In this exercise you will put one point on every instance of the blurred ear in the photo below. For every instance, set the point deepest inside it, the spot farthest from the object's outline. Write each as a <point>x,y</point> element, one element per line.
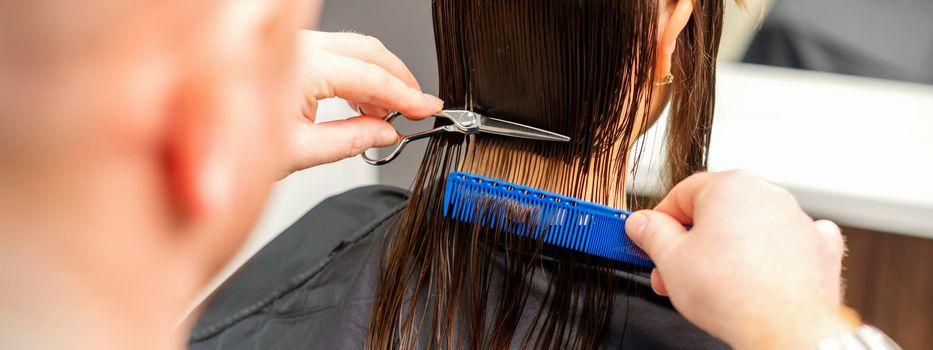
<point>198,168</point>
<point>673,18</point>
<point>207,108</point>
<point>290,15</point>
<point>313,19</point>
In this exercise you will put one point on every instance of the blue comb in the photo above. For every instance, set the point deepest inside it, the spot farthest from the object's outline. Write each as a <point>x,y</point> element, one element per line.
<point>565,222</point>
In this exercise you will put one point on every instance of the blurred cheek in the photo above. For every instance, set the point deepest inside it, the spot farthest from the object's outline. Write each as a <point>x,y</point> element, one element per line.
<point>245,69</point>
<point>257,110</point>
<point>271,86</point>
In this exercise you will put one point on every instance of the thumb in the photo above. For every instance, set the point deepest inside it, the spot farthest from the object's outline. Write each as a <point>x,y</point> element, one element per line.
<point>655,232</point>
<point>335,140</point>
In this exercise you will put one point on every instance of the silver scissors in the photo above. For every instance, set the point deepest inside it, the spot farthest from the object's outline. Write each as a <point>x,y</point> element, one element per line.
<point>468,123</point>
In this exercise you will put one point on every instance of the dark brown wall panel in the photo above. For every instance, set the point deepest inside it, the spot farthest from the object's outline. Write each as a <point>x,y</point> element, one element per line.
<point>889,280</point>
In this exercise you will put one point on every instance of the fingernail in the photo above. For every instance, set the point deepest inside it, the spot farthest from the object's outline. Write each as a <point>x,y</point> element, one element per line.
<point>434,101</point>
<point>388,137</point>
<point>635,224</point>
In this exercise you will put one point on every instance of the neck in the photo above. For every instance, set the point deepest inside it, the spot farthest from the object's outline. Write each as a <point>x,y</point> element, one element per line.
<point>68,300</point>
<point>80,269</point>
<point>51,303</point>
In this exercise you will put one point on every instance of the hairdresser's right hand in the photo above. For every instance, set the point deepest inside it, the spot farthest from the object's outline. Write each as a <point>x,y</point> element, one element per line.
<point>361,70</point>
<point>754,269</point>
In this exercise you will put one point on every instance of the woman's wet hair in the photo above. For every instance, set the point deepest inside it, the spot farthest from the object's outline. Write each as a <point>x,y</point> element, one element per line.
<point>582,68</point>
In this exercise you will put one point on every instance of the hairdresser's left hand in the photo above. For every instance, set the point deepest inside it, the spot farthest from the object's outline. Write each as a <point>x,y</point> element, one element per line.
<point>358,69</point>
<point>754,270</point>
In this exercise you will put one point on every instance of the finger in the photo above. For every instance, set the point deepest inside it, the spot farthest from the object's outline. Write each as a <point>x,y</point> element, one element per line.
<point>364,48</point>
<point>828,227</point>
<point>833,235</point>
<point>657,284</point>
<point>332,141</point>
<point>368,110</point>
<point>368,84</point>
<point>679,202</point>
<point>655,232</point>
<point>373,111</point>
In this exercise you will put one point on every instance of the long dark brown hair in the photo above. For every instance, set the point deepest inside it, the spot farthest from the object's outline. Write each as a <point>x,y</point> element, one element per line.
<point>583,68</point>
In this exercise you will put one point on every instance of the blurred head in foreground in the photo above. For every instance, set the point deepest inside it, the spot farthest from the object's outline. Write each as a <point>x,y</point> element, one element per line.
<point>138,141</point>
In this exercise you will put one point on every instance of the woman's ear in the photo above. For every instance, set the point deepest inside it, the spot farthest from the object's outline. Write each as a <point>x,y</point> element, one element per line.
<point>673,18</point>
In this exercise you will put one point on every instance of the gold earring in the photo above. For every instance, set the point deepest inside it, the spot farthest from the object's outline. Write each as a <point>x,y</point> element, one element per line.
<point>667,80</point>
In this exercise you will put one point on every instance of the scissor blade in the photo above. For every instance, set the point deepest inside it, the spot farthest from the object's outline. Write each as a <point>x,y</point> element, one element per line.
<point>507,128</point>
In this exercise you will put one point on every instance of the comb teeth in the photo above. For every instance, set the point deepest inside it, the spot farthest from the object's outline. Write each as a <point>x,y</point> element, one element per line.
<point>565,222</point>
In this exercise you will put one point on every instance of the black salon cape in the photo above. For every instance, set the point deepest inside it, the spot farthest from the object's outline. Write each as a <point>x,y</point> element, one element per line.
<point>312,288</point>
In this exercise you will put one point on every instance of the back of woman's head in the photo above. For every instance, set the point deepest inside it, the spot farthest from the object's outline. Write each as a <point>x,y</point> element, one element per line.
<point>582,68</point>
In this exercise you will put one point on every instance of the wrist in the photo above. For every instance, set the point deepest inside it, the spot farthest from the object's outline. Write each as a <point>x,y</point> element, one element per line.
<point>803,330</point>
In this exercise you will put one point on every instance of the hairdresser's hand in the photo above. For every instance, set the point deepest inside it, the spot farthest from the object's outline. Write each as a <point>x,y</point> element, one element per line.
<point>362,71</point>
<point>754,270</point>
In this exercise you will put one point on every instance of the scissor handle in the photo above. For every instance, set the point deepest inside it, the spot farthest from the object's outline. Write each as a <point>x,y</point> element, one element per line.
<point>405,139</point>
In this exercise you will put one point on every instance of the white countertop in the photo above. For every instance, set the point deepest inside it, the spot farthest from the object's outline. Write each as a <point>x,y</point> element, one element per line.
<point>855,150</point>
